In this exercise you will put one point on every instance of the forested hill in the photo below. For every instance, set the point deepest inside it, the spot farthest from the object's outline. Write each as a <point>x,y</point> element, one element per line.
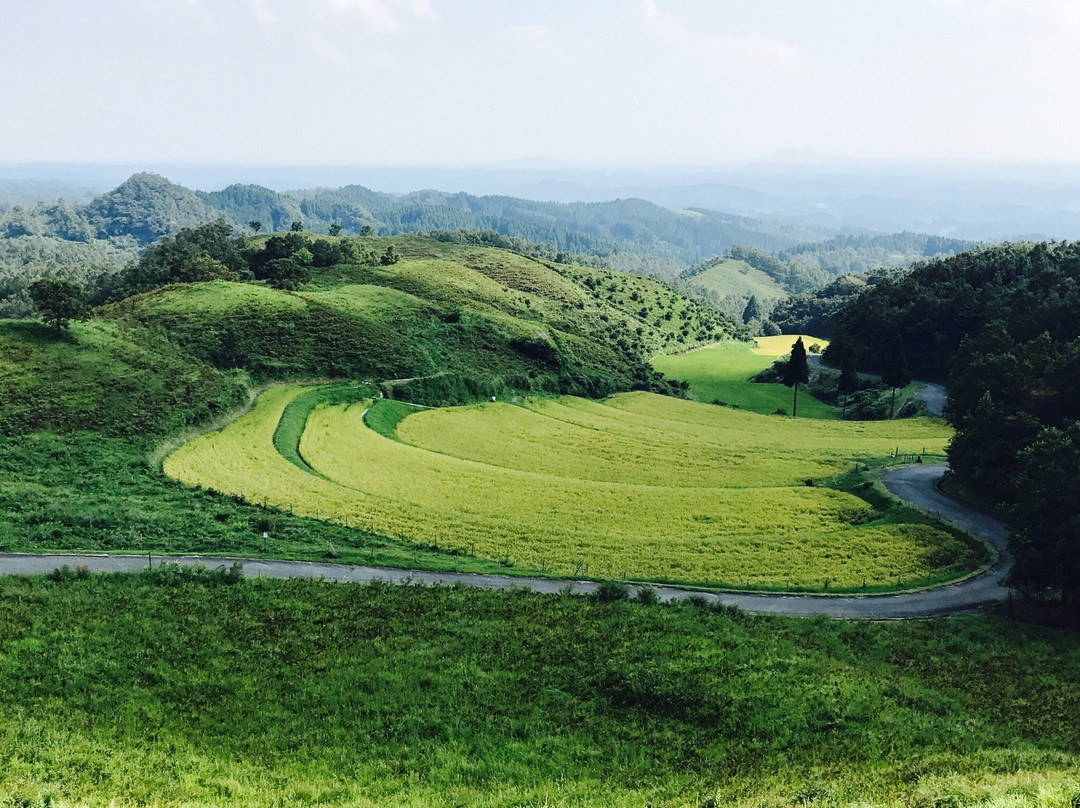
<point>1021,289</point>
<point>1002,325</point>
<point>598,228</point>
<point>848,254</point>
<point>148,206</point>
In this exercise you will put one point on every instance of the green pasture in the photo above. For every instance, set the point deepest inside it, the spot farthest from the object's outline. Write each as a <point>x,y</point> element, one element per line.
<point>177,689</point>
<point>723,372</point>
<point>640,486</point>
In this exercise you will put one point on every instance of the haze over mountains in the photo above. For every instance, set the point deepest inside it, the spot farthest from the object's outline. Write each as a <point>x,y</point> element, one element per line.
<point>976,202</point>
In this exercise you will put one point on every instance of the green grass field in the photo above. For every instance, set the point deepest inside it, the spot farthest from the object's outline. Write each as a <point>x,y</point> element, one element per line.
<point>641,486</point>
<point>174,690</point>
<point>722,373</point>
<point>732,278</point>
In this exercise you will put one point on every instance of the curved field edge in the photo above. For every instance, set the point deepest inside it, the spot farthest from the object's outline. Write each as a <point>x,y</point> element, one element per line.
<point>262,475</point>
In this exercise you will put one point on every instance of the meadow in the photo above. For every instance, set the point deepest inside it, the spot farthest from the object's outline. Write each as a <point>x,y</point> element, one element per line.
<point>721,373</point>
<point>639,486</point>
<point>175,689</point>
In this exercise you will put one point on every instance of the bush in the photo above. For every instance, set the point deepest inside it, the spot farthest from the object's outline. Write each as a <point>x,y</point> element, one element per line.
<point>65,574</point>
<point>172,574</point>
<point>647,596</point>
<point>611,591</point>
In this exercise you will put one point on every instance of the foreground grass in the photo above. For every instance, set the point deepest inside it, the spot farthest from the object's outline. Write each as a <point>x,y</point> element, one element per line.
<point>159,689</point>
<point>722,373</point>
<point>641,486</point>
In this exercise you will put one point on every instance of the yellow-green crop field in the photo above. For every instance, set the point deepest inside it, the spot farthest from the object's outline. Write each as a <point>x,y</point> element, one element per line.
<point>640,485</point>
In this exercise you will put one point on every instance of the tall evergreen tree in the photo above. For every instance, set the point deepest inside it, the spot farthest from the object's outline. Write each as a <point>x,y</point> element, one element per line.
<point>896,373</point>
<point>848,382</point>
<point>752,310</point>
<point>796,372</point>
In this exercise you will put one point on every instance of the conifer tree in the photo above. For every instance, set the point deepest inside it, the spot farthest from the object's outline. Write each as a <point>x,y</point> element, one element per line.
<point>797,372</point>
<point>896,373</point>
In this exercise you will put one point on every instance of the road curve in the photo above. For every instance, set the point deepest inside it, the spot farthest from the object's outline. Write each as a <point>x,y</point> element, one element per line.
<point>916,484</point>
<point>934,396</point>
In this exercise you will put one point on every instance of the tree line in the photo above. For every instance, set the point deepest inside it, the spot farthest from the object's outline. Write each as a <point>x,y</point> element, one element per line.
<point>1001,326</point>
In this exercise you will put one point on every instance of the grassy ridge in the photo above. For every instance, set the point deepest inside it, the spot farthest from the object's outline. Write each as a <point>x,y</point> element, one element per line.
<point>480,320</point>
<point>131,690</point>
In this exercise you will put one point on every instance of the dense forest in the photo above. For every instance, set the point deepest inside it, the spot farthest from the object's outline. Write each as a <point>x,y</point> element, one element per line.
<point>848,254</point>
<point>1001,325</point>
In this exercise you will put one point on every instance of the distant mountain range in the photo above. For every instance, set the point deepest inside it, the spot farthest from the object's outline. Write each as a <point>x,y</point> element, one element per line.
<point>972,202</point>
<point>83,241</point>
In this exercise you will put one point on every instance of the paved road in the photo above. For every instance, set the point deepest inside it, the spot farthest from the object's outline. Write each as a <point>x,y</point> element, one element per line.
<point>914,483</point>
<point>932,395</point>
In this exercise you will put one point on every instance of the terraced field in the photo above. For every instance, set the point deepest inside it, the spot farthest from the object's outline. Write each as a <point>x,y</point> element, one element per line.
<point>640,485</point>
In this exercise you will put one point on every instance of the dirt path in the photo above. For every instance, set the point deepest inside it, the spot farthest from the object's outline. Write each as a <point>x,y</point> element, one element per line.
<point>915,484</point>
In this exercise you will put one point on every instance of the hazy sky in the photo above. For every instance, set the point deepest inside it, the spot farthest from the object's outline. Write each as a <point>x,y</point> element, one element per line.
<point>452,82</point>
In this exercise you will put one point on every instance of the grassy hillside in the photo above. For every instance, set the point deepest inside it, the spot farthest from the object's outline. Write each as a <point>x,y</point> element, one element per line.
<point>174,689</point>
<point>734,282</point>
<point>169,690</point>
<point>720,374</point>
<point>106,378</point>
<point>80,415</point>
<point>489,319</point>
<point>686,492</point>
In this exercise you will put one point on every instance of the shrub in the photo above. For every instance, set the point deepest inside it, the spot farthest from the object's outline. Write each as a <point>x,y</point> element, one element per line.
<point>172,574</point>
<point>647,596</point>
<point>65,574</point>
<point>611,591</point>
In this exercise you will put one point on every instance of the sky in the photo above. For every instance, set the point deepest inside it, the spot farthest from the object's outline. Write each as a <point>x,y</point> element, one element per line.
<point>629,83</point>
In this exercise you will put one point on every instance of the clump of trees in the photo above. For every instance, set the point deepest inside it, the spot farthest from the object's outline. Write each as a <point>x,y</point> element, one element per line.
<point>1002,326</point>
<point>212,252</point>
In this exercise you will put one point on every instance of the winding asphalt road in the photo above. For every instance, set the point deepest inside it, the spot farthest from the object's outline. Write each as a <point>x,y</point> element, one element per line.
<point>916,484</point>
<point>932,395</point>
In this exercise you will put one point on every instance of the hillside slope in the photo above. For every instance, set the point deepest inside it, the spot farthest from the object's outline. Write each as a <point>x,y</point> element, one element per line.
<point>463,321</point>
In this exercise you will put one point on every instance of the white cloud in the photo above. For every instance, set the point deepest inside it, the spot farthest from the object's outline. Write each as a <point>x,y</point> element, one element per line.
<point>382,16</point>
<point>722,51</point>
<point>373,14</point>
<point>419,8</point>
<point>327,49</point>
<point>1043,13</point>
<point>534,38</point>
<point>262,12</point>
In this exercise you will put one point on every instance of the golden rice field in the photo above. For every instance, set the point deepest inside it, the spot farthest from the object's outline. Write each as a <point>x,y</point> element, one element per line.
<point>639,485</point>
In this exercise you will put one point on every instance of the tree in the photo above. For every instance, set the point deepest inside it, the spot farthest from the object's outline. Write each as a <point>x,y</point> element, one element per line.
<point>366,231</point>
<point>59,302</point>
<point>896,373</point>
<point>255,226</point>
<point>334,229</point>
<point>285,273</point>
<point>296,226</point>
<point>796,372</point>
<point>390,256</point>
<point>848,382</point>
<point>1045,540</point>
<point>752,310</point>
